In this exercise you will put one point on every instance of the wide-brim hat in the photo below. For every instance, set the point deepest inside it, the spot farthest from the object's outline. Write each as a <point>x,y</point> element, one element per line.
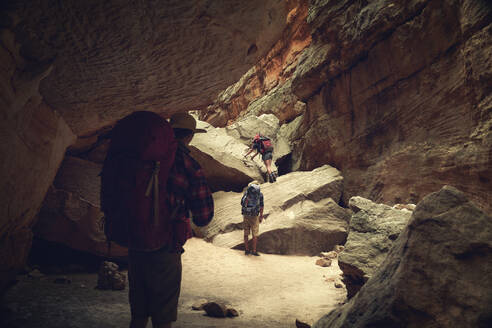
<point>185,121</point>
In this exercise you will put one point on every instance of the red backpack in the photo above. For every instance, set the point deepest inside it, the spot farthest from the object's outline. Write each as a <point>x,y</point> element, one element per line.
<point>134,196</point>
<point>266,144</point>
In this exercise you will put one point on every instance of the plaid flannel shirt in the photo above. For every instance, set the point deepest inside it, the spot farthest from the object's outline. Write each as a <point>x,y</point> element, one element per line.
<point>189,187</point>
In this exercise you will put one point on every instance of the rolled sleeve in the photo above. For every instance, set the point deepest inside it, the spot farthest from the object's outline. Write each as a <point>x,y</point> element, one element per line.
<point>201,202</point>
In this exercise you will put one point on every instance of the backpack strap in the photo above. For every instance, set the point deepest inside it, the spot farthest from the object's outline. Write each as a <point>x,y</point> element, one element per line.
<point>154,182</point>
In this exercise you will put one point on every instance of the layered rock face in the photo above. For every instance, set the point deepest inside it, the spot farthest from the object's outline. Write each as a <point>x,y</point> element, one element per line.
<point>394,94</point>
<point>266,87</point>
<point>438,273</point>
<point>71,68</point>
<point>111,58</point>
<point>398,97</point>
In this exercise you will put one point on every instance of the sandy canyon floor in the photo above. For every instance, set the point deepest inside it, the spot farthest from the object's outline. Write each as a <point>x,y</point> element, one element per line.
<point>267,291</point>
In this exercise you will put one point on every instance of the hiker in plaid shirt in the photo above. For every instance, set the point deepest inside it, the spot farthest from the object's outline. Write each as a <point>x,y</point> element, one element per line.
<point>155,279</point>
<point>190,192</point>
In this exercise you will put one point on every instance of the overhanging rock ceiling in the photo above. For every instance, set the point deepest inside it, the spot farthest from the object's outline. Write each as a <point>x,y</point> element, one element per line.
<point>109,58</point>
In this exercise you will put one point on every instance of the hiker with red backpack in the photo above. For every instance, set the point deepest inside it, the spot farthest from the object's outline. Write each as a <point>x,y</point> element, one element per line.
<point>252,211</point>
<point>264,146</point>
<point>149,184</point>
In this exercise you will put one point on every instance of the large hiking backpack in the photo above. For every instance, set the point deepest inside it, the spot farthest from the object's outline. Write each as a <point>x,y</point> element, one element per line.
<point>266,144</point>
<point>250,202</point>
<point>134,196</point>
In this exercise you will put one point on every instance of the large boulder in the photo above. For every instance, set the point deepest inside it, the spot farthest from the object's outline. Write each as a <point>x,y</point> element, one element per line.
<point>305,228</point>
<point>438,273</point>
<point>71,213</point>
<point>266,124</point>
<point>34,140</point>
<point>285,137</point>
<point>222,159</point>
<point>284,202</point>
<point>372,232</point>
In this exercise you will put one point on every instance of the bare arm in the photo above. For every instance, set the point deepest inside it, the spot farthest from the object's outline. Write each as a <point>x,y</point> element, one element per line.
<point>249,152</point>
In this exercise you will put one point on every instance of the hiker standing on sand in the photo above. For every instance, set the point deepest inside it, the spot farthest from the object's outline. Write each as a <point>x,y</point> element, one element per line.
<point>263,145</point>
<point>252,210</point>
<point>150,183</point>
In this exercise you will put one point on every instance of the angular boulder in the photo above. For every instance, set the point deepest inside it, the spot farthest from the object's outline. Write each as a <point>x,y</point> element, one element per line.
<point>221,157</point>
<point>71,212</point>
<point>438,273</point>
<point>280,101</point>
<point>301,215</point>
<point>373,229</point>
<point>305,228</point>
<point>266,124</point>
<point>109,277</point>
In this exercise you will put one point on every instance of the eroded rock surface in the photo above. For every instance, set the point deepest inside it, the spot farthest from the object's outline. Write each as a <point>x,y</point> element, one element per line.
<point>437,274</point>
<point>266,87</point>
<point>112,58</point>
<point>394,94</point>
<point>71,68</point>
<point>372,232</point>
<point>305,228</point>
<point>301,215</point>
<point>398,97</point>
<point>222,159</point>
<point>267,125</point>
<point>71,213</point>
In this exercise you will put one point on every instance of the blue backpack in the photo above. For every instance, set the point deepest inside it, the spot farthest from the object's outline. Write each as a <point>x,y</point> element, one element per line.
<point>250,202</point>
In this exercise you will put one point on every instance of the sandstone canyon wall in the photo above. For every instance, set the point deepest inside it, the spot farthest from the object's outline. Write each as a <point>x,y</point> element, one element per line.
<point>398,97</point>
<point>71,68</point>
<point>266,87</point>
<point>395,94</point>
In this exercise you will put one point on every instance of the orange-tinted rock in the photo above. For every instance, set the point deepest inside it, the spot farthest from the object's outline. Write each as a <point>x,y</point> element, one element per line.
<point>398,98</point>
<point>270,74</point>
<point>71,212</point>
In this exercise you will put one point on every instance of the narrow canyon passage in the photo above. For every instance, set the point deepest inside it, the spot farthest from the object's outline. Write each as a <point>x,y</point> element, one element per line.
<point>267,291</point>
<point>380,118</point>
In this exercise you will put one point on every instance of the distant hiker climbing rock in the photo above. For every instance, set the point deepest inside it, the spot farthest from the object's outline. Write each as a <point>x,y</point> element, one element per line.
<point>252,210</point>
<point>149,184</point>
<point>264,146</point>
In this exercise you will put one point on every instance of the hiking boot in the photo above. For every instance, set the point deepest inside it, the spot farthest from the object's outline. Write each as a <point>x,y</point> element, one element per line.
<point>246,252</point>
<point>255,253</point>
